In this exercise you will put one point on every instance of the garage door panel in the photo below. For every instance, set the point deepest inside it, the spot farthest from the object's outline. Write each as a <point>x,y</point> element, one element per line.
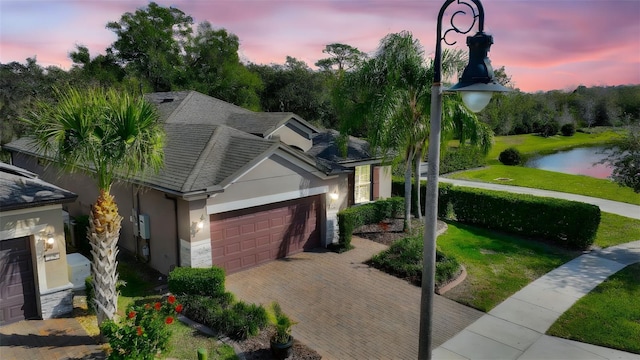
<point>247,229</point>
<point>265,233</point>
<point>263,241</point>
<point>248,244</point>
<point>231,232</point>
<point>233,248</point>
<point>17,285</point>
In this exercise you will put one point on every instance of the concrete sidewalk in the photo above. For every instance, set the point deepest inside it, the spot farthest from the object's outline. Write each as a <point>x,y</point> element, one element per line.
<point>614,207</point>
<point>515,328</point>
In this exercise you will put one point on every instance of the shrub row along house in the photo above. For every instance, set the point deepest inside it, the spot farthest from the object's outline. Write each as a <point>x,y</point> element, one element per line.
<point>239,188</point>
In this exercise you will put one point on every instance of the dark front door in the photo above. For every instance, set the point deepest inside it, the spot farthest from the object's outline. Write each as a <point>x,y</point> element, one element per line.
<point>17,285</point>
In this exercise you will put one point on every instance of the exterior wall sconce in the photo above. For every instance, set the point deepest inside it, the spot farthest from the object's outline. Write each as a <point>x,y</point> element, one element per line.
<point>196,226</point>
<point>334,195</point>
<point>48,240</point>
<point>201,222</point>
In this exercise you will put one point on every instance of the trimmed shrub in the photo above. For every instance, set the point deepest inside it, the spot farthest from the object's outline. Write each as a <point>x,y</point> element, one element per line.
<point>549,129</point>
<point>570,224</point>
<point>568,129</point>
<point>510,156</point>
<point>197,281</point>
<point>237,320</point>
<point>462,158</point>
<point>404,259</point>
<point>371,213</point>
<point>89,293</point>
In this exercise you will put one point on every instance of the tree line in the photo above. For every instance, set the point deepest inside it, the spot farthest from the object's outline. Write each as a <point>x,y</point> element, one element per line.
<point>161,49</point>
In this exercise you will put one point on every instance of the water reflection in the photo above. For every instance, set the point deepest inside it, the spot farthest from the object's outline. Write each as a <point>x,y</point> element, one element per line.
<point>578,161</point>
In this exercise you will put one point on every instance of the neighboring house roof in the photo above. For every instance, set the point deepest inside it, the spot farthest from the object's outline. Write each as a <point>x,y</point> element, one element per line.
<point>21,189</point>
<point>211,142</point>
<point>326,148</point>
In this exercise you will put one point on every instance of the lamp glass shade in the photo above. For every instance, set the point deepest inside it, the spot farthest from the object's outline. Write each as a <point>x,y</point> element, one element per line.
<point>476,100</point>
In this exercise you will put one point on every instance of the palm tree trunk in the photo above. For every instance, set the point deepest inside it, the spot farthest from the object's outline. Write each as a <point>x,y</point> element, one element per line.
<point>407,191</point>
<point>104,231</point>
<point>418,158</point>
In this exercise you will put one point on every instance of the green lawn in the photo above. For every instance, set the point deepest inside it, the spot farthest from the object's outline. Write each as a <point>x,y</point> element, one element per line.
<point>607,316</point>
<point>536,144</point>
<point>615,229</point>
<point>551,180</point>
<point>498,265</point>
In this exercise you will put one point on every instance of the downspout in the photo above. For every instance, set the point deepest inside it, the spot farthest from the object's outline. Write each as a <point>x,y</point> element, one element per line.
<point>175,211</point>
<point>146,241</point>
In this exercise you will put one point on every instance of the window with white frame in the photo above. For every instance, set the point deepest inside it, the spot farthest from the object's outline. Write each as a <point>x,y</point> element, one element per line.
<point>362,184</point>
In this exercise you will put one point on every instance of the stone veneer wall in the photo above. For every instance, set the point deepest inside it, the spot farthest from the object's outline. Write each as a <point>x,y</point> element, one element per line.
<point>57,302</point>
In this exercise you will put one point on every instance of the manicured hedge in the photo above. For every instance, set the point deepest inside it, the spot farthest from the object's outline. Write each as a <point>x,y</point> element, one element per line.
<point>570,224</point>
<point>238,320</point>
<point>567,223</point>
<point>196,281</point>
<point>371,213</point>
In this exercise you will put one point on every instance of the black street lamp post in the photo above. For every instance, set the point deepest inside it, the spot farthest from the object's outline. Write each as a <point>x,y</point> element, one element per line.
<point>476,86</point>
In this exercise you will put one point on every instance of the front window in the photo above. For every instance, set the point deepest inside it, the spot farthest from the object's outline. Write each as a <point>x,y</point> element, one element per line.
<point>362,186</point>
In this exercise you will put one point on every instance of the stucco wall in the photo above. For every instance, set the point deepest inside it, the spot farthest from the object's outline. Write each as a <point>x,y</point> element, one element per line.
<point>130,199</point>
<point>49,265</point>
<point>384,181</point>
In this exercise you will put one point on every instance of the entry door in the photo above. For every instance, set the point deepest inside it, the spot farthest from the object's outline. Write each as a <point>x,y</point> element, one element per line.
<point>17,285</point>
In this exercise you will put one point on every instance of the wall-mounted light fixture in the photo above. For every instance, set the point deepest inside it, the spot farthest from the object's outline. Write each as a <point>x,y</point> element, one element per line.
<point>334,195</point>
<point>201,222</point>
<point>48,240</point>
<point>196,226</point>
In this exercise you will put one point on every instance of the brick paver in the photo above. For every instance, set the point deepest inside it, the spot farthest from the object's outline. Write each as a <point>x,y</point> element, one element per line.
<point>47,339</point>
<point>346,309</point>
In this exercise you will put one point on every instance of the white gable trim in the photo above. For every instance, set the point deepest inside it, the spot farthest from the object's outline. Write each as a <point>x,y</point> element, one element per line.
<point>284,155</point>
<point>264,200</point>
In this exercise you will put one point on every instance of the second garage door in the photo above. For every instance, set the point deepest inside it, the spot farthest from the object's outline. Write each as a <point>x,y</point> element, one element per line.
<point>17,286</point>
<point>245,238</point>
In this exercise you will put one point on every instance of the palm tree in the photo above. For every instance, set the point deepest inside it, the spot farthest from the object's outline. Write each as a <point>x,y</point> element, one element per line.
<point>110,135</point>
<point>388,100</point>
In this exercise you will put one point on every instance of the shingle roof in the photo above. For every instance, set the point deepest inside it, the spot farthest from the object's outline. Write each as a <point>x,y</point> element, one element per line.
<point>262,124</point>
<point>21,189</point>
<point>325,146</point>
<point>209,140</point>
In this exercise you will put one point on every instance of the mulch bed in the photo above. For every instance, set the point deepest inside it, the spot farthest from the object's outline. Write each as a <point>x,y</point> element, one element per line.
<point>258,348</point>
<point>388,231</point>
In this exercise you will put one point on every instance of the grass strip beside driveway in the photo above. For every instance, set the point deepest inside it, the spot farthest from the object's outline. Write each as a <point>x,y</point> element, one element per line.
<point>607,316</point>
<point>498,265</point>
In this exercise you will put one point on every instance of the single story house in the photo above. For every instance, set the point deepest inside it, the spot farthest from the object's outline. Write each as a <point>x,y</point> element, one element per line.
<point>238,188</point>
<point>34,282</point>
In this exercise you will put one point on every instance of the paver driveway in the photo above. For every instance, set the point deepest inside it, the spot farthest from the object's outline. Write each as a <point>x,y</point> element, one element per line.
<point>346,309</point>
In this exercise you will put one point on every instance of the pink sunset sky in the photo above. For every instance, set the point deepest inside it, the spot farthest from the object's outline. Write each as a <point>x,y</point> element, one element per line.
<point>543,44</point>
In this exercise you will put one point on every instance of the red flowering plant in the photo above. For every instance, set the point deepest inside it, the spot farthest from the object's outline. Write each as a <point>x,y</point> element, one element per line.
<point>144,332</point>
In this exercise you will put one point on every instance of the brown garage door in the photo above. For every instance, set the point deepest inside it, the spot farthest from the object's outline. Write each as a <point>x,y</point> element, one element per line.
<point>17,286</point>
<point>245,238</point>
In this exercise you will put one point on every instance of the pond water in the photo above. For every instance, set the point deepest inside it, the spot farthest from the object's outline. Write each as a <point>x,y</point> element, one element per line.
<point>578,161</point>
